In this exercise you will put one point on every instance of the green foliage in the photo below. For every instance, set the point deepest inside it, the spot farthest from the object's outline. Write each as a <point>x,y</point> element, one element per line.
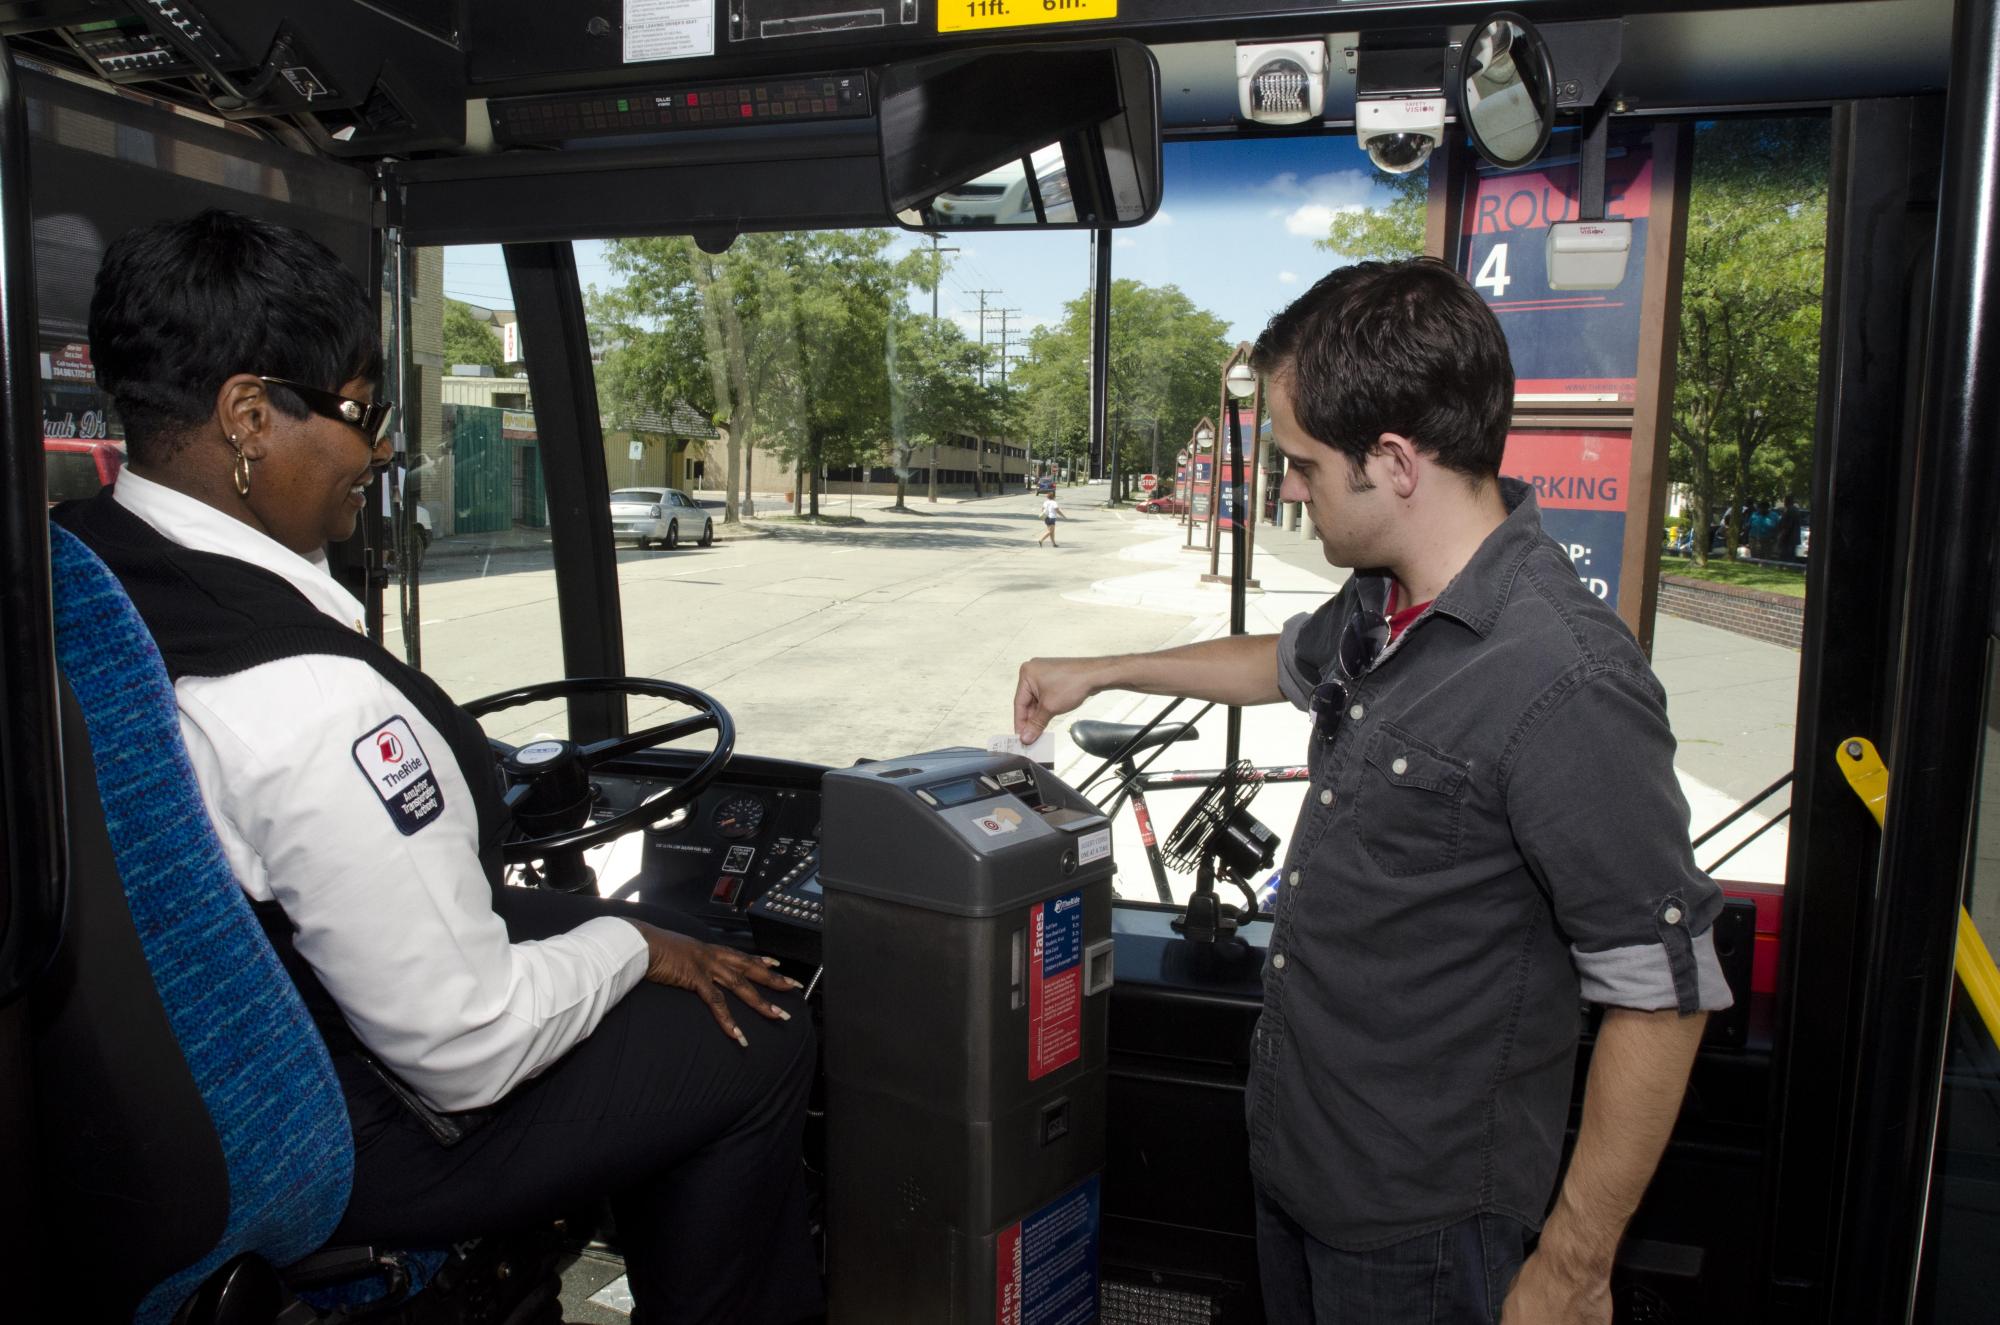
<point>1165,365</point>
<point>934,390</point>
<point>1771,579</point>
<point>782,340</point>
<point>467,339</point>
<point>1386,233</point>
<point>1747,370</point>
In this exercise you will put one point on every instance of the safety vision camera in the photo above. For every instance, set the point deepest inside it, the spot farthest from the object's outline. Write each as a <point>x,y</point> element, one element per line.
<point>1399,100</point>
<point>1399,132</point>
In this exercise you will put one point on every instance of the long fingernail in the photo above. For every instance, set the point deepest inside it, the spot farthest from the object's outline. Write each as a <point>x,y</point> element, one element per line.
<point>781,1014</point>
<point>793,983</point>
<point>741,1038</point>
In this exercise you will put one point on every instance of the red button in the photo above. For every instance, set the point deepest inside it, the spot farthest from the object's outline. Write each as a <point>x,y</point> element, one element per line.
<point>726,889</point>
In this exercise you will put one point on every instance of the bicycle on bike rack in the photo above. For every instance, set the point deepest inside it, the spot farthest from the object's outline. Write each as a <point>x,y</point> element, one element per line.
<point>1248,843</point>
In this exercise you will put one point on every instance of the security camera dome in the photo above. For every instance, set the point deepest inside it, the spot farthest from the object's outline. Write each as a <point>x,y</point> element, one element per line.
<point>1400,153</point>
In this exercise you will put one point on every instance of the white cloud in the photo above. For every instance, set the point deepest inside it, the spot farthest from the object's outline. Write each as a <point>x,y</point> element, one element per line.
<point>1124,241</point>
<point>1162,218</point>
<point>1309,205</point>
<point>1288,278</point>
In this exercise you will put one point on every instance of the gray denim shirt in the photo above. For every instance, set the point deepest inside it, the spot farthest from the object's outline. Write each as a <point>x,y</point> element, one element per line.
<point>1494,834</point>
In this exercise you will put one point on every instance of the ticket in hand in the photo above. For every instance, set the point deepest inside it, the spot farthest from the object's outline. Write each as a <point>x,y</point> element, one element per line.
<point>1043,751</point>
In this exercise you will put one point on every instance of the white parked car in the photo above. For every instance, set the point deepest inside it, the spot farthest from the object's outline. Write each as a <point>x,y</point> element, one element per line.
<point>659,515</point>
<point>1000,197</point>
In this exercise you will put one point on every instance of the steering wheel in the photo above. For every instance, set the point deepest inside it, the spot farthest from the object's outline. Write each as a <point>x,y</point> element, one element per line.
<point>548,781</point>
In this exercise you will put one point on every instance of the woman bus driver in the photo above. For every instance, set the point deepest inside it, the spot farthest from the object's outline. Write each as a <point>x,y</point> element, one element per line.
<point>359,809</point>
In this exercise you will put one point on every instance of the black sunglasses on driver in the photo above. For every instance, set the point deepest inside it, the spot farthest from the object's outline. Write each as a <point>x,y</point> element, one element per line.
<point>371,417</point>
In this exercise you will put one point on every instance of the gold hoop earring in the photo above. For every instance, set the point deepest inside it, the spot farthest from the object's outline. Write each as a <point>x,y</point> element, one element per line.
<point>242,468</point>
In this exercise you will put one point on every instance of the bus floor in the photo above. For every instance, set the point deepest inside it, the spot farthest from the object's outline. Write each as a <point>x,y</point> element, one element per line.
<point>594,1291</point>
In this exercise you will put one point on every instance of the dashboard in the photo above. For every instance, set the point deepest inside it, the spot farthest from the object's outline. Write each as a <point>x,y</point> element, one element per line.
<point>755,829</point>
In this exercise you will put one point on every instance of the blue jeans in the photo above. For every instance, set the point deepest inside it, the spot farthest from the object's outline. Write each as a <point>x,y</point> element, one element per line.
<point>1458,1275</point>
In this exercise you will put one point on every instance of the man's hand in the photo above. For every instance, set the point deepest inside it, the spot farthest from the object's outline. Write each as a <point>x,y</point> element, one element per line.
<point>706,969</point>
<point>1638,1070</point>
<point>1544,1294</point>
<point>1049,686</point>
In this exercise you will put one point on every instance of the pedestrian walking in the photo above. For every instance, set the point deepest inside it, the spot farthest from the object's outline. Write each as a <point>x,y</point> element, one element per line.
<point>1051,512</point>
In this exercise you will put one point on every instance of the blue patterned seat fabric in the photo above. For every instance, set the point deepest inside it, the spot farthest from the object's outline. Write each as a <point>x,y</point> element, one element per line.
<point>255,1056</point>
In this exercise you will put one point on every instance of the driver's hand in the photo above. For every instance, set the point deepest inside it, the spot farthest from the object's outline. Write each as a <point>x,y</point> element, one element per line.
<point>706,969</point>
<point>1049,686</point>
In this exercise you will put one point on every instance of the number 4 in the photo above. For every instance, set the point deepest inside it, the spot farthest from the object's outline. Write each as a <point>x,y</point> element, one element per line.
<point>1493,273</point>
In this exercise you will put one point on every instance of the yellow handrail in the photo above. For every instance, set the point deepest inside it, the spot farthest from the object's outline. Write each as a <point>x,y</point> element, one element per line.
<point>1865,773</point>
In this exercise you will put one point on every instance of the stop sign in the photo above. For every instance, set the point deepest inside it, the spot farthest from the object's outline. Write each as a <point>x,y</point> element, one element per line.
<point>1147,482</point>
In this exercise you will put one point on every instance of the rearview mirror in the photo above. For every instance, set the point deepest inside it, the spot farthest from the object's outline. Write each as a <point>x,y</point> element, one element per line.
<point>1507,98</point>
<point>1047,136</point>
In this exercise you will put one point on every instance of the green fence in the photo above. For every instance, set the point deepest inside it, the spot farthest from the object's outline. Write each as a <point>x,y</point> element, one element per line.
<point>496,480</point>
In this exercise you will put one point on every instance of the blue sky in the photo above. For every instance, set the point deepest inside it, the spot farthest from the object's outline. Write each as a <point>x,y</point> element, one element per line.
<point>1235,231</point>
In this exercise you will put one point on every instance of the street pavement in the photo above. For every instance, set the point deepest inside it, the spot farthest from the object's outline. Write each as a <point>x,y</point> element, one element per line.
<point>903,631</point>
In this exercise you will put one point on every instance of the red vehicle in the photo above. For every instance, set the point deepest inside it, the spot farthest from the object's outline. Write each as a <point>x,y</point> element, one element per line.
<point>79,468</point>
<point>1164,506</point>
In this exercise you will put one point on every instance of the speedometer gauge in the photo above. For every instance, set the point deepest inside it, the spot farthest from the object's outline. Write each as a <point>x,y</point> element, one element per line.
<point>739,816</point>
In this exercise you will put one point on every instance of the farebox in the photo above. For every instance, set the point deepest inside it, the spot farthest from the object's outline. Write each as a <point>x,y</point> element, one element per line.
<point>968,954</point>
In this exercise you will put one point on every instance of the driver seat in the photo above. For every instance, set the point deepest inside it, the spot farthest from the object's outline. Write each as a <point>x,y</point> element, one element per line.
<point>194,1132</point>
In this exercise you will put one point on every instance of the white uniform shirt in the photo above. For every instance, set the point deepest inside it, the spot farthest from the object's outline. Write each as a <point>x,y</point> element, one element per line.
<point>398,926</point>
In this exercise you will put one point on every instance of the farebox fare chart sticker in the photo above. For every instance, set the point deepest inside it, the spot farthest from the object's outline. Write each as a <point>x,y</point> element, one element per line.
<point>394,764</point>
<point>1055,985</point>
<point>1045,1270</point>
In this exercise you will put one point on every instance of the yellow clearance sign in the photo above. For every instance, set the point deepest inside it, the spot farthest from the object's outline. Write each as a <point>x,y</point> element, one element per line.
<point>978,15</point>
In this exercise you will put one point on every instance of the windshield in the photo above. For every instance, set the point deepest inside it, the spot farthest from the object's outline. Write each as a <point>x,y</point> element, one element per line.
<point>865,421</point>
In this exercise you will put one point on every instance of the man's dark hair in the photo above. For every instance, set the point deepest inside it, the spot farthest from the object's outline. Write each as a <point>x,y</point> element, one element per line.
<point>181,306</point>
<point>1402,347</point>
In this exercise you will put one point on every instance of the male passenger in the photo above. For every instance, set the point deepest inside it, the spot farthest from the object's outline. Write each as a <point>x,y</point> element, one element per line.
<point>1493,830</point>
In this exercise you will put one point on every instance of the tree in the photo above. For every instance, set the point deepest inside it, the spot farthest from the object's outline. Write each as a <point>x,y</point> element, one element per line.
<point>1165,357</point>
<point>1744,392</point>
<point>934,392</point>
<point>1383,234</point>
<point>467,339</point>
<point>780,340</point>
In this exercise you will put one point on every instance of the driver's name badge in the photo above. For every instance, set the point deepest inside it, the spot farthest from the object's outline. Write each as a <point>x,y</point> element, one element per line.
<point>393,761</point>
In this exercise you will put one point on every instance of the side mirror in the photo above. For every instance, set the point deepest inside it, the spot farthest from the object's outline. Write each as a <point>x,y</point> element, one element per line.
<point>1507,96</point>
<point>1045,136</point>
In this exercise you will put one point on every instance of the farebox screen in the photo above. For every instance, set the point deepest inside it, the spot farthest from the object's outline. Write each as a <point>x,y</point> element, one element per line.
<point>958,793</point>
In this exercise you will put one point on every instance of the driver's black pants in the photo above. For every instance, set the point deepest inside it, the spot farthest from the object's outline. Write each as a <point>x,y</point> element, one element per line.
<point>695,1139</point>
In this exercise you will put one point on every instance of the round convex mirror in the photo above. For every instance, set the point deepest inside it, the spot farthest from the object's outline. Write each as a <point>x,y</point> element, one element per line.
<point>1508,95</point>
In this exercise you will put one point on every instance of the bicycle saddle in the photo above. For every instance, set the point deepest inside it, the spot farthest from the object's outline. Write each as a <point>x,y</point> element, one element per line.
<point>1105,739</point>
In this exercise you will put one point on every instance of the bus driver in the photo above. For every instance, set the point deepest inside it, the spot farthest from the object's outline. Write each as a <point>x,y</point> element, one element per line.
<point>241,356</point>
<point>1493,830</point>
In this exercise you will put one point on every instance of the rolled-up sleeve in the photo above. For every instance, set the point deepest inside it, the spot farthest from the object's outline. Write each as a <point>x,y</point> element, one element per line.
<point>1599,817</point>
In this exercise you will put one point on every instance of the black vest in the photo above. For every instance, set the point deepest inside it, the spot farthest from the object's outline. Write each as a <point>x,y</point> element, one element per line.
<point>213,615</point>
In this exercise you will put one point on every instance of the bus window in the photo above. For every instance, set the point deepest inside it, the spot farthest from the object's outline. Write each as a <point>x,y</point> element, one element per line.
<point>473,600</point>
<point>1732,593</point>
<point>1958,1278</point>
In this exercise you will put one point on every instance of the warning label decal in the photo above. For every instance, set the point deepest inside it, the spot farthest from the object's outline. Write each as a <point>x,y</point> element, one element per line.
<point>1047,1264</point>
<point>1055,985</point>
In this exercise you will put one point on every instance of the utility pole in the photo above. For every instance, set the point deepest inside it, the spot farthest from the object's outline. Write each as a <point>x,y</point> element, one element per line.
<point>937,279</point>
<point>979,443</point>
<point>1004,314</point>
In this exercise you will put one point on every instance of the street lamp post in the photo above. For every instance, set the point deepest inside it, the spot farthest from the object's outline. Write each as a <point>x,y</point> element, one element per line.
<point>1239,382</point>
<point>1199,445</point>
